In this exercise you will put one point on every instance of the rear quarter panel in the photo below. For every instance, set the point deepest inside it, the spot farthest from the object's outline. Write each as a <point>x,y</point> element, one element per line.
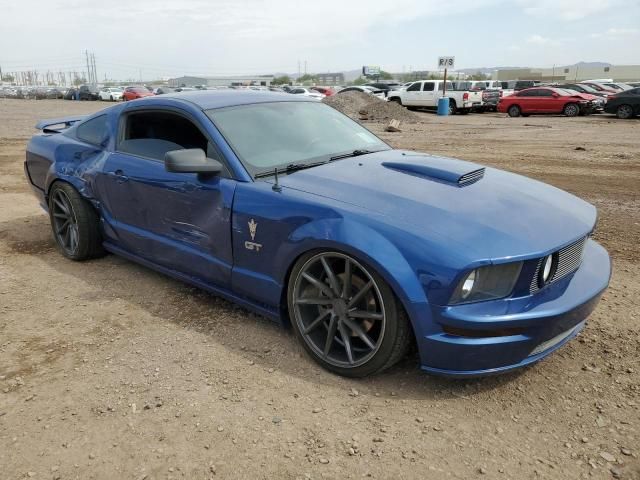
<point>60,156</point>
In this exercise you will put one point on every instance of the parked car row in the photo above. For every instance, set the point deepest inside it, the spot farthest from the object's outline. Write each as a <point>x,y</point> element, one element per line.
<point>38,93</point>
<point>573,99</point>
<point>516,98</point>
<point>521,97</point>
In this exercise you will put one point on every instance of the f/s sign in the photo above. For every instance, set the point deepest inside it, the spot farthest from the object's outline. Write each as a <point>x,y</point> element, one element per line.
<point>446,62</point>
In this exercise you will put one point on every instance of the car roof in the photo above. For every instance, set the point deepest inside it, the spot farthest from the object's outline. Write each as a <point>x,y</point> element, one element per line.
<point>209,99</point>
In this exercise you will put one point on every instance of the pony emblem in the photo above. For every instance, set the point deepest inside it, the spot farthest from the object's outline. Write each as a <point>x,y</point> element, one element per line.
<point>253,226</point>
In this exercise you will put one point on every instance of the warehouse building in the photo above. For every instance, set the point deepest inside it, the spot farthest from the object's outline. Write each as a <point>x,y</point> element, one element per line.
<point>574,73</point>
<point>330,78</point>
<point>230,81</point>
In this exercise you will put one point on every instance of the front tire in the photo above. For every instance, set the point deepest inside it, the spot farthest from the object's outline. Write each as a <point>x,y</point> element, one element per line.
<point>74,223</point>
<point>345,315</point>
<point>571,110</point>
<point>624,112</point>
<point>514,111</point>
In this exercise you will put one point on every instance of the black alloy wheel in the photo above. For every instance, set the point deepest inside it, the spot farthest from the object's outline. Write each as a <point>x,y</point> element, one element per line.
<point>346,315</point>
<point>624,112</point>
<point>75,223</point>
<point>65,222</point>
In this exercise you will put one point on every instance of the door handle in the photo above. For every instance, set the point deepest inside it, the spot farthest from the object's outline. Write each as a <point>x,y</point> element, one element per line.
<point>120,176</point>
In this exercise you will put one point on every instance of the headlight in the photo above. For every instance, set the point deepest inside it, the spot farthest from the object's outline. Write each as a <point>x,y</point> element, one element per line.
<point>487,283</point>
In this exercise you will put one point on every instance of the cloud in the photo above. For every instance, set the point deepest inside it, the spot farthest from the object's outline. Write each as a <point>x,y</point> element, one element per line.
<point>616,33</point>
<point>539,40</point>
<point>569,10</point>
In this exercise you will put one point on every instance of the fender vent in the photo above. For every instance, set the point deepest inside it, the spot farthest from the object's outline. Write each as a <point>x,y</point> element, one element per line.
<point>471,177</point>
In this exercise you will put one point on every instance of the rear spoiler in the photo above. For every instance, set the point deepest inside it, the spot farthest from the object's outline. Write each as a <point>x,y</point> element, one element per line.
<point>56,125</point>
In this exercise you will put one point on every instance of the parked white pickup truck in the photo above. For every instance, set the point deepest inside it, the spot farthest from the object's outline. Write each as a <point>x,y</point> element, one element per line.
<point>425,94</point>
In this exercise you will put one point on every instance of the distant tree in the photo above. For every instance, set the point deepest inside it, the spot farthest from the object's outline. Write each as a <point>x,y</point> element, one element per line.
<point>479,76</point>
<point>283,80</point>
<point>385,75</point>
<point>360,81</point>
<point>8,78</point>
<point>307,77</point>
<point>79,81</point>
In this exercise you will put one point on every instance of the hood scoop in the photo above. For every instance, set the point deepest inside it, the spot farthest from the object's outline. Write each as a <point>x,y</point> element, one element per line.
<point>447,170</point>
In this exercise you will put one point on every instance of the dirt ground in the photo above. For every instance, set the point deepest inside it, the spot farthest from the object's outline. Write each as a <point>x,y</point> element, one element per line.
<point>109,370</point>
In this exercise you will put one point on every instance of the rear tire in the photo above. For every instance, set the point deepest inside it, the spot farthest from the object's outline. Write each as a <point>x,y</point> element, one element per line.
<point>514,111</point>
<point>397,100</point>
<point>571,110</point>
<point>75,223</point>
<point>624,112</point>
<point>345,315</point>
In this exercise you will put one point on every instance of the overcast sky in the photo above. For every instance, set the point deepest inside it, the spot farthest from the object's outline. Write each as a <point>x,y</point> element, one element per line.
<point>167,38</point>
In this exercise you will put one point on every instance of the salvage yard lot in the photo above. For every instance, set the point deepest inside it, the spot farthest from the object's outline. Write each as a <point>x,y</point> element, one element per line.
<point>110,370</point>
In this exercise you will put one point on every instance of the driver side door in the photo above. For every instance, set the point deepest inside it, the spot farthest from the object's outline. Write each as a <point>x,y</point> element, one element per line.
<point>178,221</point>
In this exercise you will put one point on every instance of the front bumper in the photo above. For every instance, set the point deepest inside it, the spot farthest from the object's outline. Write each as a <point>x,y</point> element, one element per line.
<point>510,333</point>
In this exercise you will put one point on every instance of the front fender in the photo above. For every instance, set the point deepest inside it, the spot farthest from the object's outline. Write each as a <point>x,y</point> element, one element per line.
<point>360,241</point>
<point>266,280</point>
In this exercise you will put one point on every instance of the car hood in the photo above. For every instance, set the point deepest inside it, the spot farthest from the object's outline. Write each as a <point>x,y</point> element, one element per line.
<point>496,214</point>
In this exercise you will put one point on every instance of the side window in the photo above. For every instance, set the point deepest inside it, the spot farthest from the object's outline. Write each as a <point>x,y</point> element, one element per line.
<point>427,87</point>
<point>93,131</point>
<point>543,92</point>
<point>525,93</point>
<point>152,134</point>
<point>415,87</point>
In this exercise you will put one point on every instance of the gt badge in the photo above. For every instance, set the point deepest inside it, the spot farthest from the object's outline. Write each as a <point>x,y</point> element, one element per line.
<point>253,227</point>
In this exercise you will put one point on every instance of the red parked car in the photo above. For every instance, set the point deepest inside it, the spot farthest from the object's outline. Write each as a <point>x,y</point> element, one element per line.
<point>131,93</point>
<point>323,90</point>
<point>545,100</point>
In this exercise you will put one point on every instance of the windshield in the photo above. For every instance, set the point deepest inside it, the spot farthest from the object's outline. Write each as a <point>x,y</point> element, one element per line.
<point>270,135</point>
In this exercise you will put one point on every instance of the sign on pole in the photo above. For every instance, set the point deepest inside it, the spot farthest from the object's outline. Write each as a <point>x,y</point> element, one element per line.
<point>446,62</point>
<point>370,71</point>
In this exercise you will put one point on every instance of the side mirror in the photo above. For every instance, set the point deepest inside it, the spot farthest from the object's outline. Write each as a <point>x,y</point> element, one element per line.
<point>555,95</point>
<point>191,160</point>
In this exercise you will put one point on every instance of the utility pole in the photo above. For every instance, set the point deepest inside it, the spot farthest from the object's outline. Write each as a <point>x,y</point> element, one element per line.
<point>94,77</point>
<point>305,67</point>
<point>88,79</point>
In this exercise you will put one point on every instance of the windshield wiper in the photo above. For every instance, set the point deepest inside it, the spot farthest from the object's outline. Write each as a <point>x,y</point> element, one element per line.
<point>355,153</point>
<point>292,167</point>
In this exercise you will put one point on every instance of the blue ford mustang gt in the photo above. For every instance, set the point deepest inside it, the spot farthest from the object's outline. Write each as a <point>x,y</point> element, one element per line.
<point>287,207</point>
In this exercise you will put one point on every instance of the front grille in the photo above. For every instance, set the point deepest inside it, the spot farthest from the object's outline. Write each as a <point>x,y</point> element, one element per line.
<point>471,177</point>
<point>554,341</point>
<point>569,259</point>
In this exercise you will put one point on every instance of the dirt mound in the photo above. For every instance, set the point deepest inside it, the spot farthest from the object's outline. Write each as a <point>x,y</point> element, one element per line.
<point>362,106</point>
